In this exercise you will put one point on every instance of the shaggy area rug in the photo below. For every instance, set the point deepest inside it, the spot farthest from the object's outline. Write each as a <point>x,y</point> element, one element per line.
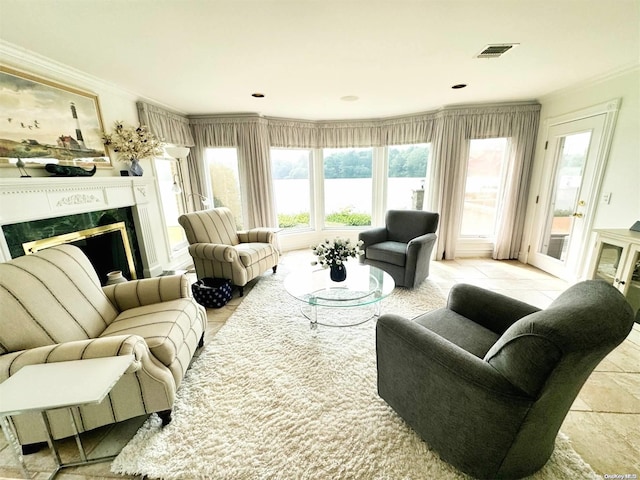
<point>268,400</point>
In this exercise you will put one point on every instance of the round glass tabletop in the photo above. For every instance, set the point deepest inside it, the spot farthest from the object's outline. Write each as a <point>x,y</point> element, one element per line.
<point>364,285</point>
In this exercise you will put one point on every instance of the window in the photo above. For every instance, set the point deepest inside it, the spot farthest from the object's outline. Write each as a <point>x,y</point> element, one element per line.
<point>407,176</point>
<point>291,183</point>
<point>347,186</point>
<point>484,180</point>
<point>172,203</point>
<point>224,180</point>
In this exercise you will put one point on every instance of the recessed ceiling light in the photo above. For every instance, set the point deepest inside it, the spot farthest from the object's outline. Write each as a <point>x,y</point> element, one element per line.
<point>459,85</point>
<point>257,95</point>
<point>349,98</point>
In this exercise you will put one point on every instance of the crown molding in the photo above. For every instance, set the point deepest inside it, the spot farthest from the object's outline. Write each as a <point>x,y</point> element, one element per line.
<point>619,72</point>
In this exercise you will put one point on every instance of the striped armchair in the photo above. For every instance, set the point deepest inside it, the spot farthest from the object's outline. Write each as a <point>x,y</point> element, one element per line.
<point>220,251</point>
<point>54,310</point>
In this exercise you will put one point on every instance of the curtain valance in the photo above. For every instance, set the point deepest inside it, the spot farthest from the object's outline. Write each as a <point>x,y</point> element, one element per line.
<point>171,127</point>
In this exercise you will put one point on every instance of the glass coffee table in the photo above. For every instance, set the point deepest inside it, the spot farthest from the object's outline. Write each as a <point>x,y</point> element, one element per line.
<point>365,286</point>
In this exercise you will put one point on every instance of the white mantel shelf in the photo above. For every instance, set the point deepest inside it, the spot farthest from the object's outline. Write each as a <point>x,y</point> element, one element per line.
<point>25,199</point>
<point>35,198</point>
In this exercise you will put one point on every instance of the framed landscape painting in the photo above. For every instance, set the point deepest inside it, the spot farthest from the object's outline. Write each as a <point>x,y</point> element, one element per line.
<point>44,122</point>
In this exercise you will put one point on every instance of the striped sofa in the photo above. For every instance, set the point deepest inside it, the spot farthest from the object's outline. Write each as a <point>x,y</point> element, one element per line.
<point>220,251</point>
<point>54,310</point>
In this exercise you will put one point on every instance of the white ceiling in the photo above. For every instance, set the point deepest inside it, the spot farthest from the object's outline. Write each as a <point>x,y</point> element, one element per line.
<point>397,56</point>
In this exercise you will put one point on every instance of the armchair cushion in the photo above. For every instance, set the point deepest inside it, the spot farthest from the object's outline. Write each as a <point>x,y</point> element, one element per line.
<point>166,328</point>
<point>459,330</point>
<point>250,253</point>
<point>394,253</point>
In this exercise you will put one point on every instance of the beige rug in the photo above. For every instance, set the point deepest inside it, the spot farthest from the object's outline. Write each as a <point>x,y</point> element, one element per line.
<point>267,400</point>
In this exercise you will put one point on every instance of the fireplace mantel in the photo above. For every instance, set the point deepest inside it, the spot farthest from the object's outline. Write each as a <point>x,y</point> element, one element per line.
<point>27,199</point>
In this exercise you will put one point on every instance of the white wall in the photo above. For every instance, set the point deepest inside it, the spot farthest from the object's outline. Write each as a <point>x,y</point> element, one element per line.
<point>622,173</point>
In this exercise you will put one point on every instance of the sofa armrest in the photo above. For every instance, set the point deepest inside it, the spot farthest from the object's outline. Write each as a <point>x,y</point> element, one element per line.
<point>214,251</point>
<point>147,291</point>
<point>491,310</point>
<point>257,235</point>
<point>114,346</point>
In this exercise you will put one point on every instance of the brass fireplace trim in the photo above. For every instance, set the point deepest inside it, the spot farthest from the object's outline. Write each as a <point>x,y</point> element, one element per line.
<point>36,245</point>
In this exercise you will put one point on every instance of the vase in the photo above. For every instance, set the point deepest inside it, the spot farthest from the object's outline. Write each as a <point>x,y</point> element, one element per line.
<point>115,277</point>
<point>135,169</point>
<point>338,273</point>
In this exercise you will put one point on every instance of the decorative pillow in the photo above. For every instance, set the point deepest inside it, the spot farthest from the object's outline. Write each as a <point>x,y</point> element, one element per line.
<point>212,292</point>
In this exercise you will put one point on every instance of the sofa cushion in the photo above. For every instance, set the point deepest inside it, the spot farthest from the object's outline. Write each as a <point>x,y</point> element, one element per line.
<point>164,326</point>
<point>251,253</point>
<point>394,253</point>
<point>53,296</point>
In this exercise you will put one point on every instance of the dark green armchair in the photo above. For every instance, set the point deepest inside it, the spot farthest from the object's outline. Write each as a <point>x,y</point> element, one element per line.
<point>487,381</point>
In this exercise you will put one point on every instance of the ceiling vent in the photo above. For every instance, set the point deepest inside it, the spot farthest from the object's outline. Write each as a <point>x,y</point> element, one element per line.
<point>496,50</point>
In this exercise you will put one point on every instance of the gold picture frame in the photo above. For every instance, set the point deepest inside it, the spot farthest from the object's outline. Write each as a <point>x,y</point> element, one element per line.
<point>46,122</point>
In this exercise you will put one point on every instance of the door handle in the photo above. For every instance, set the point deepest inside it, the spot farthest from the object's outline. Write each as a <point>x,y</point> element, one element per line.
<point>577,214</point>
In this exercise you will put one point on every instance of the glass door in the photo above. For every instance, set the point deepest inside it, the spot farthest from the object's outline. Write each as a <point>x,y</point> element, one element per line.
<point>568,196</point>
<point>566,204</point>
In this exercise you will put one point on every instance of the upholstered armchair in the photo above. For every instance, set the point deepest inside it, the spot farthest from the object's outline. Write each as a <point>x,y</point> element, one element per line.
<point>487,381</point>
<point>54,310</point>
<point>220,251</point>
<point>403,247</point>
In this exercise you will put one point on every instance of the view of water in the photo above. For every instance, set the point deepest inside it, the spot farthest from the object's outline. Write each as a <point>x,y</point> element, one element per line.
<point>292,195</point>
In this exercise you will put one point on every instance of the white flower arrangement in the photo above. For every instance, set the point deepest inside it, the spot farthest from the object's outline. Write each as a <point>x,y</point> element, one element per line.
<point>133,143</point>
<point>336,252</point>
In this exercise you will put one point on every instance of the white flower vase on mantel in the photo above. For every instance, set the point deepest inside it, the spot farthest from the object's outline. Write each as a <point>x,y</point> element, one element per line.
<point>135,169</point>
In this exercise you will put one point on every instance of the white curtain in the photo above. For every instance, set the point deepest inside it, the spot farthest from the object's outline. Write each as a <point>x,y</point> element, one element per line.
<point>449,130</point>
<point>248,133</point>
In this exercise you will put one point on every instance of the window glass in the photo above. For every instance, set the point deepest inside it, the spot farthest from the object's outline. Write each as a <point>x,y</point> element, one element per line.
<point>291,183</point>
<point>348,186</point>
<point>483,183</point>
<point>406,182</point>
<point>224,180</point>
<point>172,202</point>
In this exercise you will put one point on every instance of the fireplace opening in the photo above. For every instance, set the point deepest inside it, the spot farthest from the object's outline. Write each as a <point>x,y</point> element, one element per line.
<point>107,237</point>
<point>107,246</point>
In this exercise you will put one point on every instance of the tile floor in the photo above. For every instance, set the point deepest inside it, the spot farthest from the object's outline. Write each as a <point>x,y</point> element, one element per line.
<point>603,424</point>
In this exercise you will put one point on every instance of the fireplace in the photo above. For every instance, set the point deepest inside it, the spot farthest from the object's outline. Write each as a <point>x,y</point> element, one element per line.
<point>113,219</point>
<point>107,237</point>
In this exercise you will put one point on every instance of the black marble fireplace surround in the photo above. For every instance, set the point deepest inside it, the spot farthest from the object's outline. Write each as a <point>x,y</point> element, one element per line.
<point>106,252</point>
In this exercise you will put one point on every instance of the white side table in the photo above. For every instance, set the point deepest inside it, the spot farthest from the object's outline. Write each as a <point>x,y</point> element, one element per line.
<point>67,385</point>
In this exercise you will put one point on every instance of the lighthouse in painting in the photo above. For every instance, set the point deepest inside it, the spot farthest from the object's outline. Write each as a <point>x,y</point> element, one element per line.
<point>78,131</point>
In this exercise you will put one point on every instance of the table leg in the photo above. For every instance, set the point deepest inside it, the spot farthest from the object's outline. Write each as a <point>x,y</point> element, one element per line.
<point>314,315</point>
<point>83,455</point>
<point>9,433</point>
